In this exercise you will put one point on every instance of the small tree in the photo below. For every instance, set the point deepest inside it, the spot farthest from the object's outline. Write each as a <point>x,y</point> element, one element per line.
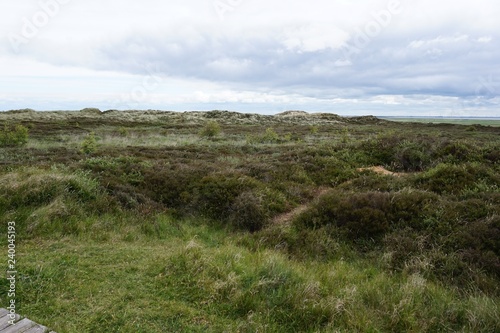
<point>89,144</point>
<point>271,136</point>
<point>210,130</point>
<point>17,136</point>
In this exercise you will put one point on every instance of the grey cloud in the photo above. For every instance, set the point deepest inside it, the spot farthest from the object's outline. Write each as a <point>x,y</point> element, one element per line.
<point>438,49</point>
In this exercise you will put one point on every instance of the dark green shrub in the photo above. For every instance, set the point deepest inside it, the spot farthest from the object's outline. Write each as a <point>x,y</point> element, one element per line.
<point>492,154</point>
<point>468,210</point>
<point>382,149</point>
<point>446,178</point>
<point>411,156</point>
<point>360,215</point>
<point>479,244</point>
<point>248,212</point>
<point>214,195</point>
<point>13,136</point>
<point>454,179</point>
<point>457,151</point>
<point>409,208</point>
<point>171,185</point>
<point>328,170</point>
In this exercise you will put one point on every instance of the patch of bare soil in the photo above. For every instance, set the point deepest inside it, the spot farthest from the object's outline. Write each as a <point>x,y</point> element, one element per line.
<point>381,170</point>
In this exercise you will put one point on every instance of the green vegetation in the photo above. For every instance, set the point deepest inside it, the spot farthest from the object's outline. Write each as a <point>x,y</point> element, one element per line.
<point>89,144</point>
<point>210,130</point>
<point>280,225</point>
<point>457,121</point>
<point>13,136</point>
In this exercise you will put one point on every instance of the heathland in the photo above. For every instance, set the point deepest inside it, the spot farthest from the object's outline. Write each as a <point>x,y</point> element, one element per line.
<point>149,221</point>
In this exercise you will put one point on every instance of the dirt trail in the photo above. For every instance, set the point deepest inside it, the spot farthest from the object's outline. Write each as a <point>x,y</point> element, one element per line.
<point>381,170</point>
<point>289,216</point>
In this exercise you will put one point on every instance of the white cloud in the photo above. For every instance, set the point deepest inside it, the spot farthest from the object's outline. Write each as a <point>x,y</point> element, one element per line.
<point>485,39</point>
<point>314,37</point>
<point>261,52</point>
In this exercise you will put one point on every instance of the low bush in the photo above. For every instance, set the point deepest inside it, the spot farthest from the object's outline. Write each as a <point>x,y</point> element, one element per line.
<point>457,152</point>
<point>89,144</point>
<point>479,244</point>
<point>214,195</point>
<point>454,179</point>
<point>360,215</point>
<point>14,136</point>
<point>248,212</point>
<point>272,137</point>
<point>412,156</point>
<point>446,178</point>
<point>410,208</point>
<point>51,198</point>
<point>210,130</point>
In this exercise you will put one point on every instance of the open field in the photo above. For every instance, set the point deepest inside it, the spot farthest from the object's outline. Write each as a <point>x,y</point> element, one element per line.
<point>457,121</point>
<point>149,221</point>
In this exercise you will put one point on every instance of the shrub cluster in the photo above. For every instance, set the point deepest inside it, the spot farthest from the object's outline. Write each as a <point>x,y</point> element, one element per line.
<point>444,237</point>
<point>210,130</point>
<point>270,136</point>
<point>50,200</point>
<point>13,136</point>
<point>421,153</point>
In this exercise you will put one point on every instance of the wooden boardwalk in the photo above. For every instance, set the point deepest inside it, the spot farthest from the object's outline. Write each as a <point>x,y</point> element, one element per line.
<point>22,325</point>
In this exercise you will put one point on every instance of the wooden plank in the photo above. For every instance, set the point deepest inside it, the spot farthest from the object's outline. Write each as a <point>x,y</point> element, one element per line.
<point>20,326</point>
<point>4,321</point>
<point>37,329</point>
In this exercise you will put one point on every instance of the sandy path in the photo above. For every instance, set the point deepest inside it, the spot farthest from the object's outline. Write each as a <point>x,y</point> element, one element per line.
<point>289,216</point>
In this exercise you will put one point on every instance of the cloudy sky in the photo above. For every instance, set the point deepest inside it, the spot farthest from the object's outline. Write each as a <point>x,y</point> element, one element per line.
<point>381,57</point>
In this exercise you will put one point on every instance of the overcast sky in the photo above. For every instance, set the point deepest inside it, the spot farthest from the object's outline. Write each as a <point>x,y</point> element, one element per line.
<point>381,57</point>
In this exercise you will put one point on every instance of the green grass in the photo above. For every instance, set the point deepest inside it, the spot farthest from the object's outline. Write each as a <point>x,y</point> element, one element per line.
<point>157,228</point>
<point>192,277</point>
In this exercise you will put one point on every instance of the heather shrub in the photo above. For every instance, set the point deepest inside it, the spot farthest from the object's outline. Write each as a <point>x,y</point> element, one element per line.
<point>270,136</point>
<point>409,208</point>
<point>170,185</point>
<point>446,178</point>
<point>411,156</point>
<point>359,215</point>
<point>215,194</point>
<point>457,152</point>
<point>454,179</point>
<point>248,212</point>
<point>479,243</point>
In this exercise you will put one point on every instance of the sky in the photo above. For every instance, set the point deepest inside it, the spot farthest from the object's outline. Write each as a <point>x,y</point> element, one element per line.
<point>376,57</point>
